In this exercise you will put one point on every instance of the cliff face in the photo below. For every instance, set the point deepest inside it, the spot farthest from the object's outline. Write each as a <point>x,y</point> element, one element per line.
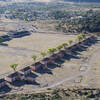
<point>83,0</point>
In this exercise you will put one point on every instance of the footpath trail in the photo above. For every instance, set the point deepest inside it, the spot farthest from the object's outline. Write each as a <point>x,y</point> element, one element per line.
<point>18,51</point>
<point>49,86</point>
<point>91,61</point>
<point>20,48</point>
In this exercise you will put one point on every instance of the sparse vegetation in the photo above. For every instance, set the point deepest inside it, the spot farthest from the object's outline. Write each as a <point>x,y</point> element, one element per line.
<point>59,94</point>
<point>43,54</point>
<point>70,42</point>
<point>59,47</point>
<point>89,23</point>
<point>69,20</point>
<point>1,39</point>
<point>34,57</point>
<point>64,45</point>
<point>51,51</point>
<point>14,66</point>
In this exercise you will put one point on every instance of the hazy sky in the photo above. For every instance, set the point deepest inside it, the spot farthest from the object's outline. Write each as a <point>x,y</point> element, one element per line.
<point>32,0</point>
<point>43,0</point>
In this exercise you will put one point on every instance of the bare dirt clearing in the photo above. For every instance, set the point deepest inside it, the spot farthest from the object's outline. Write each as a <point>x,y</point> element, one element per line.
<point>19,50</point>
<point>66,75</point>
<point>69,70</point>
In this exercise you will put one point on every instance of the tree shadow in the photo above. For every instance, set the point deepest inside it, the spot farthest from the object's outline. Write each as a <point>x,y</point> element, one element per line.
<point>74,53</point>
<point>32,83</point>
<point>68,57</point>
<point>5,89</point>
<point>18,83</point>
<point>5,38</point>
<point>19,34</point>
<point>32,75</point>
<point>3,44</point>
<point>24,82</point>
<point>80,48</point>
<point>48,71</point>
<point>41,70</point>
<point>59,61</point>
<point>52,66</point>
<point>90,42</point>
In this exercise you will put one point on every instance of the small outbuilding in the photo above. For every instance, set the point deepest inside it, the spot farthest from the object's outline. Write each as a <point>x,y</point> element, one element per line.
<point>14,77</point>
<point>25,71</point>
<point>36,66</point>
<point>61,54</point>
<point>53,57</point>
<point>46,61</point>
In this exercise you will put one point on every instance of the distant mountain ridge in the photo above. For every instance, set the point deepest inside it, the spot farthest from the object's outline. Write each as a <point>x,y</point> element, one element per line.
<point>83,0</point>
<point>4,0</point>
<point>50,0</point>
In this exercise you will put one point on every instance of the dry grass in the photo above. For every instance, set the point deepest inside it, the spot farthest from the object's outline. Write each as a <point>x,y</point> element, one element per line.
<point>32,44</point>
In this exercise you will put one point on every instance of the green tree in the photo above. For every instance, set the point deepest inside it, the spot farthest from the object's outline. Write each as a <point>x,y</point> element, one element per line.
<point>59,47</point>
<point>79,37</point>
<point>70,42</point>
<point>90,23</point>
<point>14,66</point>
<point>1,39</point>
<point>51,50</point>
<point>34,57</point>
<point>83,36</point>
<point>43,54</point>
<point>64,45</point>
